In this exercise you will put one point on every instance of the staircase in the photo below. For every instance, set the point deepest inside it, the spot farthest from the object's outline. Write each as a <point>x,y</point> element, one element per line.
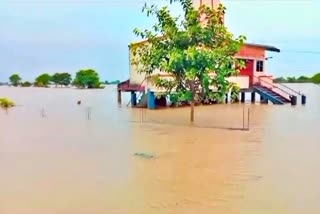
<point>276,93</point>
<point>270,95</point>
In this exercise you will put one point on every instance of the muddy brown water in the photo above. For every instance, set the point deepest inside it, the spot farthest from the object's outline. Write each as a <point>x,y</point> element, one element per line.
<point>54,160</point>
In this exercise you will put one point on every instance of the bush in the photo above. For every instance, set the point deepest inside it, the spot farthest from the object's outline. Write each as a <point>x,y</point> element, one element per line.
<point>40,84</point>
<point>6,103</point>
<point>26,84</point>
<point>235,93</point>
<point>316,78</point>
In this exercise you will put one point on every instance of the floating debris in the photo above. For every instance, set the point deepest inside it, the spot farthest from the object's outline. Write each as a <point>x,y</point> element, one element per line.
<point>144,155</point>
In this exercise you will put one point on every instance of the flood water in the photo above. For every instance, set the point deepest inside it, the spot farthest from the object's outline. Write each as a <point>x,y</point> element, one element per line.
<point>57,157</point>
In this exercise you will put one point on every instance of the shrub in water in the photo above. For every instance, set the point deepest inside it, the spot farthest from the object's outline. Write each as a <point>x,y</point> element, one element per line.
<point>6,103</point>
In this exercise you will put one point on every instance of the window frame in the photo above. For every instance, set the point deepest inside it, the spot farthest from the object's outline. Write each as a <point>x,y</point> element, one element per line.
<point>260,66</point>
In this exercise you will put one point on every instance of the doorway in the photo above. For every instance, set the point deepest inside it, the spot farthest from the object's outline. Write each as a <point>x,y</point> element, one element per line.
<point>248,70</point>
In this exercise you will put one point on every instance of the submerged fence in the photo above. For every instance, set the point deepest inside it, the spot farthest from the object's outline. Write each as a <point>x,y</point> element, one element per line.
<point>231,116</point>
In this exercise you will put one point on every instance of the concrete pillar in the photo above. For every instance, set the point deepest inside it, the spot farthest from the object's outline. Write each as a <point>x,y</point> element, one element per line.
<point>253,97</point>
<point>293,100</point>
<point>303,99</point>
<point>263,100</point>
<point>119,96</point>
<point>151,100</point>
<point>133,98</point>
<point>243,97</point>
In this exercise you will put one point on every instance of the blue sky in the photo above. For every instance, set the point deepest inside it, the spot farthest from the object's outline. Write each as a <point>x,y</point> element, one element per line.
<point>39,36</point>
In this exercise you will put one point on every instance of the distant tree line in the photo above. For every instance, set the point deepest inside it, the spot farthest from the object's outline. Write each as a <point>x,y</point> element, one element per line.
<point>302,79</point>
<point>87,78</point>
<point>115,82</point>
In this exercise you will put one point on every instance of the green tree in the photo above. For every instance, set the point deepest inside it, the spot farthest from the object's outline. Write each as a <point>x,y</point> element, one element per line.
<point>87,78</point>
<point>291,79</point>
<point>316,78</point>
<point>280,80</point>
<point>196,53</point>
<point>43,80</point>
<point>303,79</point>
<point>26,84</point>
<point>55,79</point>
<point>62,79</point>
<point>15,79</point>
<point>66,79</point>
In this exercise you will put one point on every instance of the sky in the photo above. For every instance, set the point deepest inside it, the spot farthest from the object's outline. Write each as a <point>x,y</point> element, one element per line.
<point>38,36</point>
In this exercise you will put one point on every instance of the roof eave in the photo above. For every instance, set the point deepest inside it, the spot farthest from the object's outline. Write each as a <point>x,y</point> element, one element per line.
<point>266,47</point>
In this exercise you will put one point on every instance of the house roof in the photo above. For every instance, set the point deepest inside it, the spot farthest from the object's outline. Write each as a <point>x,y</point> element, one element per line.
<point>266,47</point>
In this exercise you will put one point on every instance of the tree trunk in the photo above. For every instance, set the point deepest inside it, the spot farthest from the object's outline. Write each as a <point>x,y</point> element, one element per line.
<point>192,112</point>
<point>192,103</point>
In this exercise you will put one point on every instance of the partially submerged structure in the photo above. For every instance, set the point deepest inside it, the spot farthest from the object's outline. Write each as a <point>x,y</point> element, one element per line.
<point>254,78</point>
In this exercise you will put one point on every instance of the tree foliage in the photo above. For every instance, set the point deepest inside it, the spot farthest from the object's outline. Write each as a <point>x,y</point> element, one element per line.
<point>301,79</point>
<point>26,84</point>
<point>316,78</point>
<point>62,79</point>
<point>15,79</point>
<point>198,54</point>
<point>87,78</point>
<point>43,80</point>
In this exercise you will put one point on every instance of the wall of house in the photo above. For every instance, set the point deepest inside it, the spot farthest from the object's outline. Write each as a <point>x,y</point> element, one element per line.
<point>256,54</point>
<point>151,85</point>
<point>146,81</point>
<point>210,3</point>
<point>241,81</point>
<point>251,52</point>
<point>137,78</point>
<point>246,52</point>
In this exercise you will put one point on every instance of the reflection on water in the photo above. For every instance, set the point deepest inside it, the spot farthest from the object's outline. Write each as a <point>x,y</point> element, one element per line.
<point>65,164</point>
